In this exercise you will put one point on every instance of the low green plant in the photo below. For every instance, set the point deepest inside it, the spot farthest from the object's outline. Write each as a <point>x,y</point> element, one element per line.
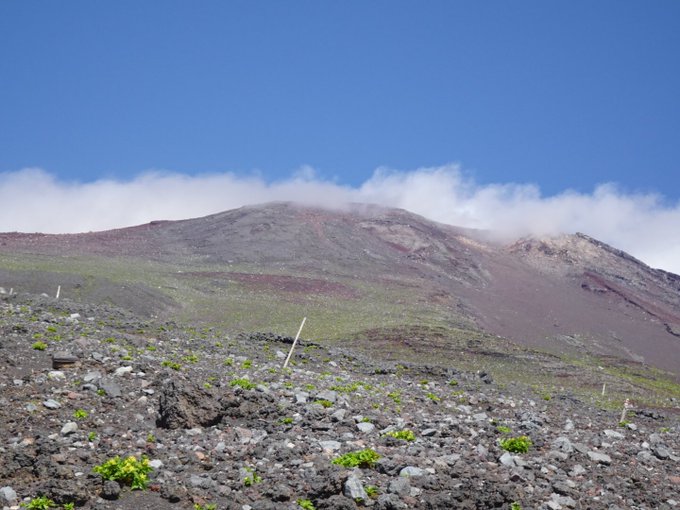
<point>515,506</point>
<point>252,478</point>
<point>129,471</point>
<point>69,506</point>
<point>323,402</point>
<point>40,503</point>
<point>101,392</point>
<point>365,458</point>
<point>150,438</point>
<point>433,397</point>
<point>91,436</point>
<point>519,444</point>
<point>371,491</point>
<point>247,364</point>
<point>229,362</point>
<point>39,346</point>
<point>190,358</point>
<point>504,429</point>
<point>246,384</point>
<point>346,388</point>
<point>171,364</point>
<point>395,396</point>
<point>624,423</point>
<point>286,420</point>
<point>207,506</point>
<point>404,435</point>
<point>80,414</point>
<point>453,382</point>
<point>306,504</point>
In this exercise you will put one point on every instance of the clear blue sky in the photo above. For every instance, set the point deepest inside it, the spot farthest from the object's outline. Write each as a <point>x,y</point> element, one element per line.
<point>564,94</point>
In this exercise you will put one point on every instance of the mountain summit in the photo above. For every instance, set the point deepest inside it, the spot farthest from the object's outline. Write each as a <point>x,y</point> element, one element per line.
<point>362,270</point>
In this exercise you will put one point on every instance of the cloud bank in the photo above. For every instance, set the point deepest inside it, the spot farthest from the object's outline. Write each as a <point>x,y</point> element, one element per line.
<point>640,224</point>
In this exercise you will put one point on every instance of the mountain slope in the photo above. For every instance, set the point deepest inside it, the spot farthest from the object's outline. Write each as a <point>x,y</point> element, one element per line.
<point>360,271</point>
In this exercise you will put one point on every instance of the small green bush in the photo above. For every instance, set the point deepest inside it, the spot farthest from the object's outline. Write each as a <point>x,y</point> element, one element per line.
<point>324,403</point>
<point>40,503</point>
<point>39,346</point>
<point>504,429</point>
<point>404,435</point>
<point>80,414</point>
<point>243,383</point>
<point>306,504</point>
<point>371,491</point>
<point>129,471</point>
<point>252,478</point>
<point>171,364</point>
<point>365,458</point>
<point>519,444</point>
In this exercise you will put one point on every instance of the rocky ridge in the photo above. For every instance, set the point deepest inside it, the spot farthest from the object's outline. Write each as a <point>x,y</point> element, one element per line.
<point>223,424</point>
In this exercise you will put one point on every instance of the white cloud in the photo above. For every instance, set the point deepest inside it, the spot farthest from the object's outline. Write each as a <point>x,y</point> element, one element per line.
<point>641,224</point>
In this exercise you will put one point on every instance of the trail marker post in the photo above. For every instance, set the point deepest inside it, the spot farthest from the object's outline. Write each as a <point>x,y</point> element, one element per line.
<point>58,292</point>
<point>292,348</point>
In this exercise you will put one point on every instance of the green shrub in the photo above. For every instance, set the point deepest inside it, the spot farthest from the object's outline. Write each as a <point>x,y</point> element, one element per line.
<point>405,435</point>
<point>306,504</point>
<point>395,396</point>
<point>519,444</point>
<point>40,503</point>
<point>503,429</point>
<point>252,477</point>
<point>129,471</point>
<point>365,458</point>
<point>371,491</point>
<point>324,403</point>
<point>171,364</point>
<point>80,414</point>
<point>433,397</point>
<point>39,346</point>
<point>243,383</point>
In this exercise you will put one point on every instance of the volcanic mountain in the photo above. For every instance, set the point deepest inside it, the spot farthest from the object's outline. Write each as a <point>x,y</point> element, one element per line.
<point>365,273</point>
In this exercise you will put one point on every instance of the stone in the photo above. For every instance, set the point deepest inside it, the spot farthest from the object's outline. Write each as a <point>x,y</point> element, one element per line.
<point>365,427</point>
<point>69,428</point>
<point>120,371</point>
<point>330,445</point>
<point>111,490</point>
<point>600,458</point>
<point>399,486</point>
<point>51,404</point>
<point>507,459</point>
<point>330,395</point>
<point>56,375</point>
<point>7,495</point>
<point>63,359</point>
<point>354,489</point>
<point>613,434</point>
<point>412,471</point>
<point>111,388</point>
<point>563,444</point>
<point>661,452</point>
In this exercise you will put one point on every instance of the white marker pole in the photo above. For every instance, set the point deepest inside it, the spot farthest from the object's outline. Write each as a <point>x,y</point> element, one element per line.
<point>58,291</point>
<point>285,363</point>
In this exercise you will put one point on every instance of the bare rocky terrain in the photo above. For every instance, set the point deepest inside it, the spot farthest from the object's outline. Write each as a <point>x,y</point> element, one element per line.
<point>429,349</point>
<point>366,267</point>
<point>223,425</point>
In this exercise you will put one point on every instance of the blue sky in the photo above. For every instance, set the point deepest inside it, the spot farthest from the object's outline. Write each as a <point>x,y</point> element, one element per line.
<point>563,96</point>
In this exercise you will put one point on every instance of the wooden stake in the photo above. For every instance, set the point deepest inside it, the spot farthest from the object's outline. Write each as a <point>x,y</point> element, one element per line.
<point>604,386</point>
<point>292,348</point>
<point>58,291</point>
